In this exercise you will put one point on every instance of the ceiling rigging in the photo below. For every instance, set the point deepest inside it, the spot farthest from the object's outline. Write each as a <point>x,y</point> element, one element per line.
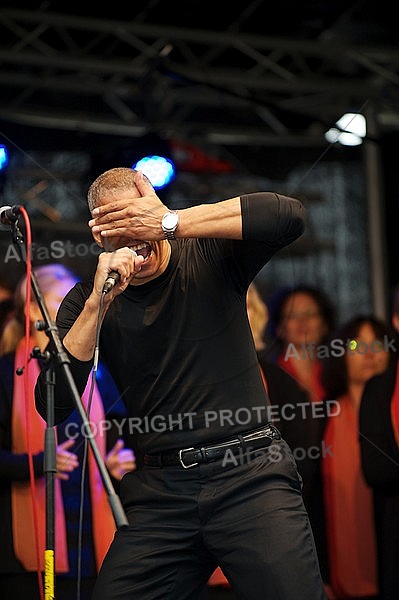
<point>256,81</point>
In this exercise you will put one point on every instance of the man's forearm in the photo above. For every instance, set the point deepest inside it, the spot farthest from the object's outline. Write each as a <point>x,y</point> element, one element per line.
<point>219,220</point>
<point>80,340</point>
<point>261,216</point>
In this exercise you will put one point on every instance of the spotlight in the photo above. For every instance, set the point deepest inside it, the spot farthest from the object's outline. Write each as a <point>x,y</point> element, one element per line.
<point>159,170</point>
<point>349,131</point>
<point>3,157</point>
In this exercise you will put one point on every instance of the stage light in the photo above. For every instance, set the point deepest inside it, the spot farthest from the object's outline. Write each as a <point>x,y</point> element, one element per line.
<point>3,157</point>
<point>349,131</point>
<point>159,170</point>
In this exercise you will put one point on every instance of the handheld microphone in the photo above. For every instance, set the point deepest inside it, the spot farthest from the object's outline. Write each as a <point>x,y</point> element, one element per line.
<point>9,214</point>
<point>111,280</point>
<point>113,277</point>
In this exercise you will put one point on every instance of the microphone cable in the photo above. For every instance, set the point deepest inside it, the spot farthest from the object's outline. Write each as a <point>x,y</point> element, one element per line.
<point>86,446</point>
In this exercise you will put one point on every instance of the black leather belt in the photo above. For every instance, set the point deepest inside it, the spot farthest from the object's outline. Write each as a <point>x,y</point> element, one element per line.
<point>192,457</point>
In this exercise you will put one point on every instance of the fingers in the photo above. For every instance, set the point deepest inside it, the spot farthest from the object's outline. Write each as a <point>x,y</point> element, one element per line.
<point>112,212</point>
<point>136,214</point>
<point>117,210</point>
<point>67,444</point>
<point>120,453</point>
<point>120,460</point>
<point>126,456</point>
<point>119,444</point>
<point>124,261</point>
<point>66,461</point>
<point>143,184</point>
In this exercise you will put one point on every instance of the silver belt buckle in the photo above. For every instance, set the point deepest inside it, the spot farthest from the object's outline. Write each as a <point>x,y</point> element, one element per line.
<point>265,432</point>
<point>181,459</point>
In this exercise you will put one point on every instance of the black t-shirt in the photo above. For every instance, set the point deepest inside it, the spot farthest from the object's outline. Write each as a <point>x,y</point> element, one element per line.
<point>179,347</point>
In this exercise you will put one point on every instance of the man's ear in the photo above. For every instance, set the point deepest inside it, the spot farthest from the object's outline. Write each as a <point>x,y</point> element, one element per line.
<point>395,321</point>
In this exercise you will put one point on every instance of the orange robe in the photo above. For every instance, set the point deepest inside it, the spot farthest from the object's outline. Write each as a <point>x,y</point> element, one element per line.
<point>351,541</point>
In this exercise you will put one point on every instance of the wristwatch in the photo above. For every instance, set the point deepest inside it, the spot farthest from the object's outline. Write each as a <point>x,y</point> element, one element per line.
<point>169,224</point>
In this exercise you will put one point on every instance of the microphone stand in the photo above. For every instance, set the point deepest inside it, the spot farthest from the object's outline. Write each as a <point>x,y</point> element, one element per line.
<point>59,356</point>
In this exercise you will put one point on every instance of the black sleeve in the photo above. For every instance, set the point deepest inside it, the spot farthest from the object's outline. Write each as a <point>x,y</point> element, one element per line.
<point>15,467</point>
<point>270,222</point>
<point>379,450</point>
<point>272,219</point>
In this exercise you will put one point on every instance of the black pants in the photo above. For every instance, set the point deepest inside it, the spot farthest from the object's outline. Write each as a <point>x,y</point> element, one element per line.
<point>245,514</point>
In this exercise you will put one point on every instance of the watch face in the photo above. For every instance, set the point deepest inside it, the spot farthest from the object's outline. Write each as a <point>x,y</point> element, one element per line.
<point>170,221</point>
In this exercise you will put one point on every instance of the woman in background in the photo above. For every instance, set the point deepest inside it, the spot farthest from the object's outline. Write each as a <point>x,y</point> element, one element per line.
<point>291,410</point>
<point>78,554</point>
<point>360,353</point>
<point>301,319</point>
<point>379,441</point>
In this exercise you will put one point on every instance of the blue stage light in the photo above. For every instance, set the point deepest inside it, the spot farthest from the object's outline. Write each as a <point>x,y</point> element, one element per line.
<point>159,170</point>
<point>3,157</point>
